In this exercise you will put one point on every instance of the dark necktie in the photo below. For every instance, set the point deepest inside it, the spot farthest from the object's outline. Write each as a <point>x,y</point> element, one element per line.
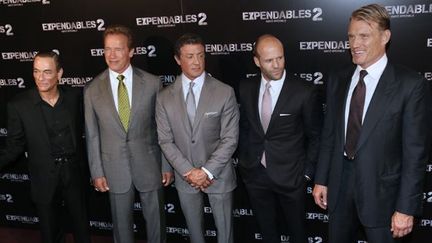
<point>355,116</point>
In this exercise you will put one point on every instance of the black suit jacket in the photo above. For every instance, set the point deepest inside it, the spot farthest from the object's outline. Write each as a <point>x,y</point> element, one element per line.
<point>292,139</point>
<point>392,148</point>
<point>27,132</point>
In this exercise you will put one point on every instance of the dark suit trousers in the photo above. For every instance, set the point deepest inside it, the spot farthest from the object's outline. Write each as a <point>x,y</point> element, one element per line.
<point>265,196</point>
<point>344,224</point>
<point>71,190</point>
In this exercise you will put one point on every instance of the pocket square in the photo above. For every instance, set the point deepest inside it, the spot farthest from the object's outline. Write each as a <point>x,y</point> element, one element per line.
<point>284,114</point>
<point>211,114</point>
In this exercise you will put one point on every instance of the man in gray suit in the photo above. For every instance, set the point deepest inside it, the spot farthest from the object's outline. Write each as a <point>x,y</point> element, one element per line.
<point>197,120</point>
<point>122,139</point>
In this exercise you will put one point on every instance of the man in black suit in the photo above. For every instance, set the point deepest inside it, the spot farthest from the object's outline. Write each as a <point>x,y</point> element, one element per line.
<point>280,125</point>
<point>47,121</point>
<point>375,139</point>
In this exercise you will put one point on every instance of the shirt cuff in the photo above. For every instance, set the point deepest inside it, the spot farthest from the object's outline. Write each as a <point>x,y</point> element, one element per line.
<point>210,175</point>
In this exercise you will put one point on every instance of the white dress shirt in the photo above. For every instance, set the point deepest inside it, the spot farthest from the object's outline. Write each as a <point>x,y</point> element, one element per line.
<point>371,81</point>
<point>275,89</point>
<point>199,82</point>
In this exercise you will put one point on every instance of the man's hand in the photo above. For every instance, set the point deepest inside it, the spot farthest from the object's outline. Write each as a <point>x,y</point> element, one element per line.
<point>320,196</point>
<point>100,184</point>
<point>401,224</point>
<point>198,178</point>
<point>167,178</point>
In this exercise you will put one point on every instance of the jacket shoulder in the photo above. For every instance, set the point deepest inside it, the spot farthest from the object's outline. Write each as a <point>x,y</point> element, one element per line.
<point>145,75</point>
<point>96,80</point>
<point>217,84</point>
<point>406,74</point>
<point>249,82</point>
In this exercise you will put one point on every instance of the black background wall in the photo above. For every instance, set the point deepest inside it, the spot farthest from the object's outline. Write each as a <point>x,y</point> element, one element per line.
<point>313,32</point>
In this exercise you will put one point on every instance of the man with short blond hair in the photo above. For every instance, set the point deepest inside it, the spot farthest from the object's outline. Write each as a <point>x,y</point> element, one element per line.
<point>375,139</point>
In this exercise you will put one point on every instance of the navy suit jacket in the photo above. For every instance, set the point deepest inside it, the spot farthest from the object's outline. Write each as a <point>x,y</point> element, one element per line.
<point>392,148</point>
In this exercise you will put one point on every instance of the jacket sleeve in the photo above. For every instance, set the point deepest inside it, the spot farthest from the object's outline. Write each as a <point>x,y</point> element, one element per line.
<point>92,136</point>
<point>229,133</point>
<point>327,136</point>
<point>15,141</point>
<point>415,147</point>
<point>312,118</point>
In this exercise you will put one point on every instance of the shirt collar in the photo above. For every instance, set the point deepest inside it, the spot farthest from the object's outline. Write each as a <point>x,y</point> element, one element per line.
<point>375,70</point>
<point>274,83</point>
<point>38,99</point>
<point>199,81</point>
<point>127,73</point>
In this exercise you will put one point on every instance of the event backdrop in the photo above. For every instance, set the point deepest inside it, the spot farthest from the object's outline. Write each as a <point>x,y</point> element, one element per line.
<point>314,34</point>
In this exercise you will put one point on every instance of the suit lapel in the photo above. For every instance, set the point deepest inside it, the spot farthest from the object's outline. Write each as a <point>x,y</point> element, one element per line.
<point>180,103</point>
<point>342,92</point>
<point>206,97</point>
<point>285,93</point>
<point>108,97</point>
<point>380,99</point>
<point>254,98</point>
<point>138,89</point>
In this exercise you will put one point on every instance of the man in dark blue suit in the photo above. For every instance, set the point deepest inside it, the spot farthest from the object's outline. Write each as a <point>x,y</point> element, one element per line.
<point>375,139</point>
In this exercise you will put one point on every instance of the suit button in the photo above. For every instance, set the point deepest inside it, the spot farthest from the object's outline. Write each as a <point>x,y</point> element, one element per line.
<point>193,141</point>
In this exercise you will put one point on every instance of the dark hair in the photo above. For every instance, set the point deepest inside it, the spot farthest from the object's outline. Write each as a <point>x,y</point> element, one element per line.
<point>120,30</point>
<point>53,55</point>
<point>373,13</point>
<point>187,39</point>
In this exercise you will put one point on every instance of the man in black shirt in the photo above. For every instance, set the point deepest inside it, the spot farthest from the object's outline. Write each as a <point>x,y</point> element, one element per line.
<point>48,122</point>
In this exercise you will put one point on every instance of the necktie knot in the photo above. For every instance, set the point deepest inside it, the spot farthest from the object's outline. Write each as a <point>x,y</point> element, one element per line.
<point>120,78</point>
<point>268,85</point>
<point>363,74</point>
<point>191,85</point>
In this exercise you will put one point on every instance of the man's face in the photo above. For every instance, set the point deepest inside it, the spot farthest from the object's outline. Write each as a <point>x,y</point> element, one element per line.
<point>117,53</point>
<point>191,60</point>
<point>45,74</point>
<point>367,42</point>
<point>270,58</point>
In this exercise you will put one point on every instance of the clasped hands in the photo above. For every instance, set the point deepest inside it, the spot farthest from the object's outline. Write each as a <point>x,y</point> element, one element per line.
<point>198,179</point>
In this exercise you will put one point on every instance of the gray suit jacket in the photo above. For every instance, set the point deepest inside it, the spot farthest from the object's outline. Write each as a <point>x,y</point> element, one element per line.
<point>124,157</point>
<point>211,141</point>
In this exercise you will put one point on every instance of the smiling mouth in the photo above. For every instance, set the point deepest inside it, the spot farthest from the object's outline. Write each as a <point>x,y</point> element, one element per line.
<point>357,52</point>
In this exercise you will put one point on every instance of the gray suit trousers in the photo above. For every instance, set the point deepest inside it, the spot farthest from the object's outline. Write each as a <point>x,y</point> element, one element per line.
<point>221,203</point>
<point>152,209</point>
